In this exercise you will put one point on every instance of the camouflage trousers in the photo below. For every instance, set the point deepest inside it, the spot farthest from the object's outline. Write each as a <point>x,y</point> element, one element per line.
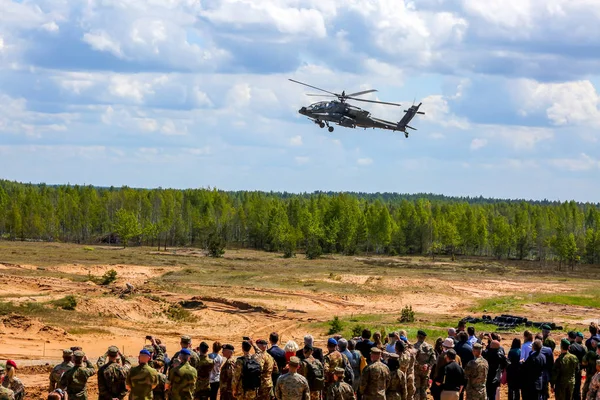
<point>410,387</point>
<point>247,395</point>
<point>226,395</point>
<point>315,395</point>
<point>586,385</point>
<point>475,392</point>
<point>265,393</point>
<point>421,384</point>
<point>564,391</point>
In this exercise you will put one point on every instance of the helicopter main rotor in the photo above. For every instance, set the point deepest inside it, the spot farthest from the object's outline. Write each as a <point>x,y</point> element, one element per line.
<point>342,97</point>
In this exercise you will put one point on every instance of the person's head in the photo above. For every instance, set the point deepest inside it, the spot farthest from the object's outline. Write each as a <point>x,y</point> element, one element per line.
<point>293,364</point>
<point>537,345</point>
<point>421,335</point>
<point>144,356</point>
<point>203,348</point>
<point>309,340</point>
<point>494,344</point>
<point>67,355</point>
<point>11,368</point>
<point>393,362</point>
<point>495,336</point>
<point>351,344</point>
<point>461,325</point>
<point>451,332</point>
<point>366,334</point>
<point>216,347</point>
<point>471,331</point>
<point>593,329</point>
<point>447,344</point>
<point>545,330</point>
<point>528,336</point>
<point>184,355</point>
<point>158,364</point>
<point>307,351</point>
<point>342,344</point>
<point>57,394</point>
<point>185,342</point>
<point>571,336</point>
<point>112,353</point>
<point>331,344</point>
<point>377,337</point>
<point>400,347</point>
<point>595,340</point>
<point>463,336</point>
<point>246,346</point>
<point>450,355</point>
<point>438,345</point>
<point>579,337</point>
<point>539,337</point>
<point>516,343</point>
<point>262,344</point>
<point>375,354</point>
<point>338,374</point>
<point>78,357</point>
<point>291,347</point>
<point>274,338</point>
<point>564,345</point>
<point>477,348</point>
<point>228,350</point>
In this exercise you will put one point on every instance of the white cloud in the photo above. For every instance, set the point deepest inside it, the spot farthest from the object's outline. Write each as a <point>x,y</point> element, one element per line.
<point>583,163</point>
<point>364,161</point>
<point>199,151</point>
<point>101,41</point>
<point>51,26</point>
<point>478,143</point>
<point>301,160</point>
<point>296,141</point>
<point>128,87</point>
<point>518,137</point>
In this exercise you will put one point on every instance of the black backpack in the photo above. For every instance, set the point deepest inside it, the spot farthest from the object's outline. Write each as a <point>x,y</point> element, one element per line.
<point>315,375</point>
<point>348,370</point>
<point>251,372</point>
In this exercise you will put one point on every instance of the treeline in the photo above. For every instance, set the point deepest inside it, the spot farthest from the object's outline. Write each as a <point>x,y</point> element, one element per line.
<point>319,223</point>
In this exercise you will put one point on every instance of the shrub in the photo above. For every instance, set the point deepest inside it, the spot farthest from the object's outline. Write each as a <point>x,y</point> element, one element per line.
<point>109,277</point>
<point>216,245</point>
<point>407,314</point>
<point>177,313</point>
<point>335,326</point>
<point>67,302</point>
<point>357,330</point>
<point>88,249</point>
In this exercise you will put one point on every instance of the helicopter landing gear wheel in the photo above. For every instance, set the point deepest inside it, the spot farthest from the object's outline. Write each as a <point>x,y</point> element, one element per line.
<point>321,124</point>
<point>330,129</point>
<point>406,135</point>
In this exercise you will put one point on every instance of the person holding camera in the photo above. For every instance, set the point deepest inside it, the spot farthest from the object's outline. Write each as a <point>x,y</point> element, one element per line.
<point>112,374</point>
<point>74,381</point>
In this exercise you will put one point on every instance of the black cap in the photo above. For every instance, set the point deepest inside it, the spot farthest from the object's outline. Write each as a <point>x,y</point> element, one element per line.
<point>421,333</point>
<point>228,347</point>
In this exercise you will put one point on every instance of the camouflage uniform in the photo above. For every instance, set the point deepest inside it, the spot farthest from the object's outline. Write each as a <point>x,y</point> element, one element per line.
<point>59,370</point>
<point>238,388</point>
<point>158,392</point>
<point>226,379</point>
<point>204,368</point>
<point>374,381</point>
<point>74,381</point>
<point>549,342</point>
<point>193,361</point>
<point>111,379</point>
<point>563,376</point>
<point>142,379</point>
<point>589,362</point>
<point>340,390</point>
<point>6,394</point>
<point>182,382</point>
<point>425,357</point>
<point>407,365</point>
<point>396,389</point>
<point>266,377</point>
<point>331,361</point>
<point>594,391</point>
<point>15,385</point>
<point>292,387</point>
<point>476,373</point>
<point>314,394</point>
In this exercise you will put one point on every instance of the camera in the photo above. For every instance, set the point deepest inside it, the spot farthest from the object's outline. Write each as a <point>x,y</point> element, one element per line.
<point>245,338</point>
<point>148,337</point>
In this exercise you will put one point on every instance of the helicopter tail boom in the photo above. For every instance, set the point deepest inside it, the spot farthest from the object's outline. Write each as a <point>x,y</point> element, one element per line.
<point>408,116</point>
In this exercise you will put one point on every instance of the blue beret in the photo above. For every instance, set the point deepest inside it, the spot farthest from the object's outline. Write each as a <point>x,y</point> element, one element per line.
<point>331,342</point>
<point>146,353</point>
<point>185,352</point>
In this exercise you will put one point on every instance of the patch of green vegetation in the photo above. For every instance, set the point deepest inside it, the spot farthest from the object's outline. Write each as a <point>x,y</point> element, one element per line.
<point>502,304</point>
<point>87,248</point>
<point>335,326</point>
<point>177,313</point>
<point>78,330</point>
<point>587,298</point>
<point>66,303</point>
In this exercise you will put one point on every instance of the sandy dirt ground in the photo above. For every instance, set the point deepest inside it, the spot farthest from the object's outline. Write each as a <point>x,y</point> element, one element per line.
<point>229,312</point>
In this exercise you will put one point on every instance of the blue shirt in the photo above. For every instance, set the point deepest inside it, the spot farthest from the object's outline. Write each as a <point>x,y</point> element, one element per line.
<point>472,340</point>
<point>526,350</point>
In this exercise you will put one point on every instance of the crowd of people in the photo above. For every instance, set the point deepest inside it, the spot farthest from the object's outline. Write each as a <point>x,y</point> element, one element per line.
<point>462,366</point>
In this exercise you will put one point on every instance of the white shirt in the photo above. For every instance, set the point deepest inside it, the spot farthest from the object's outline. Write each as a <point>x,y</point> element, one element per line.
<point>526,350</point>
<point>215,374</point>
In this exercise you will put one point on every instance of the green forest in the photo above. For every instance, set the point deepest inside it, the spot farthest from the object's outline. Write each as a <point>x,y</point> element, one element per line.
<point>314,224</point>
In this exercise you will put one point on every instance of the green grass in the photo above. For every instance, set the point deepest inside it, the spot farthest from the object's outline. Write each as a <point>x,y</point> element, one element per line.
<point>78,330</point>
<point>502,304</point>
<point>514,303</point>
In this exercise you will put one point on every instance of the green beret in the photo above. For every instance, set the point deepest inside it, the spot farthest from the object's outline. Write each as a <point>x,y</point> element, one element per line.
<point>546,327</point>
<point>579,334</point>
<point>565,342</point>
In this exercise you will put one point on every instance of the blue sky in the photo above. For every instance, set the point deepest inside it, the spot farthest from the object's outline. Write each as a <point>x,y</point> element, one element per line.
<point>184,93</point>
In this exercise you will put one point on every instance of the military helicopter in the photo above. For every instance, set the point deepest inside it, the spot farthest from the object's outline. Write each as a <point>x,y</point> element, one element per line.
<point>341,113</point>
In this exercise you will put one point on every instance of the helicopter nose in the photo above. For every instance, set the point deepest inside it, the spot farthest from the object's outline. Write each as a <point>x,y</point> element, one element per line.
<point>302,110</point>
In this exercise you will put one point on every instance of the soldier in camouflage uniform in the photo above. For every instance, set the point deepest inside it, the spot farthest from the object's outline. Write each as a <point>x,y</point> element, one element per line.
<point>186,343</point>
<point>227,371</point>
<point>158,392</point>
<point>547,340</point>
<point>375,378</point>
<point>396,389</point>
<point>112,375</point>
<point>407,365</point>
<point>11,382</point>
<point>238,389</point>
<point>292,386</point>
<point>340,390</point>
<point>425,360</point>
<point>74,381</point>
<point>588,362</point>
<point>268,368</point>
<point>476,373</point>
<point>181,381</point>
<point>5,393</point>
<point>334,359</point>
<point>563,373</point>
<point>204,368</point>
<point>60,369</point>
<point>594,391</point>
<point>142,378</point>
<point>303,370</point>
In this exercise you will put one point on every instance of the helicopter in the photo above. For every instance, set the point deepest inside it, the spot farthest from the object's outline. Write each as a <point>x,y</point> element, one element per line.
<point>343,114</point>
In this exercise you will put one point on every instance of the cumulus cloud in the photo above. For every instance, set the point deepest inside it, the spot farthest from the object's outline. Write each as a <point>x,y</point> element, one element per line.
<point>478,143</point>
<point>581,163</point>
<point>364,161</point>
<point>296,141</point>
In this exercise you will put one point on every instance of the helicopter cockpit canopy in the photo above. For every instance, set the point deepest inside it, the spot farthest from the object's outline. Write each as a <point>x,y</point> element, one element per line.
<point>320,106</point>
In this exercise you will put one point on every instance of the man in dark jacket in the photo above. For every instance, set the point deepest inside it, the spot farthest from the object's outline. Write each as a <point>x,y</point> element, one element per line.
<point>497,363</point>
<point>317,352</point>
<point>547,376</point>
<point>278,355</point>
<point>533,371</point>
<point>578,351</point>
<point>365,345</point>
<point>464,349</point>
